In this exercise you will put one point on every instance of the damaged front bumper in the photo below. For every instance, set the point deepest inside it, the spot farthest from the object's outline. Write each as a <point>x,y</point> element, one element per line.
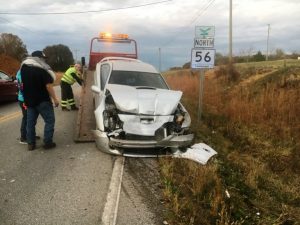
<point>199,153</point>
<point>115,145</point>
<point>170,141</point>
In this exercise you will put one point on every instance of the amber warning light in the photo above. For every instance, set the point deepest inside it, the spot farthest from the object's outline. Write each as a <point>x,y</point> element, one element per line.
<point>106,35</point>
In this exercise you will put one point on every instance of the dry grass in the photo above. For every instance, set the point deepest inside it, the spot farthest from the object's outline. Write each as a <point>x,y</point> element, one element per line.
<point>254,124</point>
<point>275,106</point>
<point>191,189</point>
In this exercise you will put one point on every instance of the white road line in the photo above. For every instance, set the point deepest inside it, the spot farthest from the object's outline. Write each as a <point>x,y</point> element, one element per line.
<point>109,216</point>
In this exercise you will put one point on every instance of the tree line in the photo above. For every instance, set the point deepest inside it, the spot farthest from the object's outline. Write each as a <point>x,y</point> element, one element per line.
<point>278,54</point>
<point>59,56</point>
<point>245,57</point>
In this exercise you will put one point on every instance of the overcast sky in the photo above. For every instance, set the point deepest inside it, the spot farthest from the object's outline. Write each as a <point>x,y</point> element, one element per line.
<point>169,25</point>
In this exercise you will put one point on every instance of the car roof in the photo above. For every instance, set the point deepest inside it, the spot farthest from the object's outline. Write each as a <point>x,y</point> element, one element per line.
<point>128,64</point>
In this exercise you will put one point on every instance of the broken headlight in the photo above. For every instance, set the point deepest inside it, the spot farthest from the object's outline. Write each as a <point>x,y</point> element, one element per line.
<point>111,119</point>
<point>181,117</point>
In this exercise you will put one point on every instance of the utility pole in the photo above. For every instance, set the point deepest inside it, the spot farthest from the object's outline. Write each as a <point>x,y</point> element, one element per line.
<point>76,50</point>
<point>267,55</point>
<point>230,32</point>
<point>159,58</point>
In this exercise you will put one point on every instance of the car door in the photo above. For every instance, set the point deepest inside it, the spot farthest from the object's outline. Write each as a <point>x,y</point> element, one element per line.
<point>105,70</point>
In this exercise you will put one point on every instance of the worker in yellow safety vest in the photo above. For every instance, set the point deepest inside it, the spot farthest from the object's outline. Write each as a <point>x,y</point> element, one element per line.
<point>71,76</point>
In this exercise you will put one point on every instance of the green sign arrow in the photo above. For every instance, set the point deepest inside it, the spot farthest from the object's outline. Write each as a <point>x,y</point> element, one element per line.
<point>204,32</point>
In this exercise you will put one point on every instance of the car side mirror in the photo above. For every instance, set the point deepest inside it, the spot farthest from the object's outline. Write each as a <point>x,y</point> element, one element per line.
<point>95,89</point>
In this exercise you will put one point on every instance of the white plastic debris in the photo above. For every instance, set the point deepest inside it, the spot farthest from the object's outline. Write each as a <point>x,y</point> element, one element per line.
<point>227,193</point>
<point>199,153</point>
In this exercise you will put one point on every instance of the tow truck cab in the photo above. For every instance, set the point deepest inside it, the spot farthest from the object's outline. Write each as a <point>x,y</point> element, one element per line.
<point>111,45</point>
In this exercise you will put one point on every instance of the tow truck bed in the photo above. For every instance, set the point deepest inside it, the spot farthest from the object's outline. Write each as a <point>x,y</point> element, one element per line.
<point>85,118</point>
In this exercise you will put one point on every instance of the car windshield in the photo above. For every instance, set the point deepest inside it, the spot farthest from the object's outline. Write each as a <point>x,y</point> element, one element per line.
<point>3,76</point>
<point>137,79</point>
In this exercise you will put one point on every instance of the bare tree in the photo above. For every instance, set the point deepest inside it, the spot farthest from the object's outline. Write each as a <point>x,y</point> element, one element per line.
<point>279,53</point>
<point>12,46</point>
<point>250,51</point>
<point>59,56</point>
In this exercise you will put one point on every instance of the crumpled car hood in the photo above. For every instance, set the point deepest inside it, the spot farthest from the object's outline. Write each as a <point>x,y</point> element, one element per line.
<point>143,100</point>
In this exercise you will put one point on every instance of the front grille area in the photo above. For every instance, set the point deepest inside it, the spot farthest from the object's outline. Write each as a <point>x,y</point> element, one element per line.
<point>135,137</point>
<point>146,151</point>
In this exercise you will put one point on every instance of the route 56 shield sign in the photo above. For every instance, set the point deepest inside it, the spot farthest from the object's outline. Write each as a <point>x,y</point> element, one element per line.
<point>203,58</point>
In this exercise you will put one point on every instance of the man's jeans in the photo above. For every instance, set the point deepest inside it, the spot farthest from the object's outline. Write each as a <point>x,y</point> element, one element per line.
<point>47,113</point>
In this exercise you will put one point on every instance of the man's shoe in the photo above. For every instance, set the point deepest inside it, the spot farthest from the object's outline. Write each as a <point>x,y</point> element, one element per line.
<point>31,147</point>
<point>49,146</point>
<point>74,107</point>
<point>23,141</point>
<point>65,109</point>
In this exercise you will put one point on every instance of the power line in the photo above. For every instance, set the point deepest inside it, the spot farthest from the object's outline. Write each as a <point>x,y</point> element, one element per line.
<point>201,11</point>
<point>17,25</point>
<point>204,9</point>
<point>81,12</point>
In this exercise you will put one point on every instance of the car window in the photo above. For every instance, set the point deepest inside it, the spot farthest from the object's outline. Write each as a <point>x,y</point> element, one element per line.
<point>104,74</point>
<point>3,76</point>
<point>134,78</point>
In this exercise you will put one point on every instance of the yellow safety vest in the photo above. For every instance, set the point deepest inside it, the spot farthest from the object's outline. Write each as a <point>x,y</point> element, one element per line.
<point>68,78</point>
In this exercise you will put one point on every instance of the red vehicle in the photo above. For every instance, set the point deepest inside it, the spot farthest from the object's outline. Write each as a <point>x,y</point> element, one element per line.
<point>111,45</point>
<point>8,88</point>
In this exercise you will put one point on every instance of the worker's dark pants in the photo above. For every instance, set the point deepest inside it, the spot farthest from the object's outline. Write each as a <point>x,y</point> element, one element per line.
<point>67,97</point>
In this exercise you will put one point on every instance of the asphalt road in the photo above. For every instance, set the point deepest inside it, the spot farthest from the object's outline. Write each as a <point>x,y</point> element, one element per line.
<point>70,184</point>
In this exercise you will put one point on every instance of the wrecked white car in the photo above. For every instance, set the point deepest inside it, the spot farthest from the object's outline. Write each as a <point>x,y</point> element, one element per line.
<point>135,109</point>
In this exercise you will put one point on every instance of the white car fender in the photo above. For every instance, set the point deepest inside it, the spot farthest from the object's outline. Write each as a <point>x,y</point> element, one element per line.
<point>99,116</point>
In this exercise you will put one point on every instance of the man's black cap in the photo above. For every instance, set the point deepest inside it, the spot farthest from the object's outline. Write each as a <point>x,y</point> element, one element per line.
<point>39,54</point>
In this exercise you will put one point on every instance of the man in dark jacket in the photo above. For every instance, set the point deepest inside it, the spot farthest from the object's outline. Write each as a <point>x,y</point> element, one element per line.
<point>38,78</point>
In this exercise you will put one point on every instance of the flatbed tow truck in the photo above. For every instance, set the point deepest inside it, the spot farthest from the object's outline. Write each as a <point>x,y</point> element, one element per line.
<point>106,45</point>
<point>86,123</point>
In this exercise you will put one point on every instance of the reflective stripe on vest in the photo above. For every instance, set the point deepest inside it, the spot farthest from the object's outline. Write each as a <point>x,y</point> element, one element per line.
<point>67,77</point>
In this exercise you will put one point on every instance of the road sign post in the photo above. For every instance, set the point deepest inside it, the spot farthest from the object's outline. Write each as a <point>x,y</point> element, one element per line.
<point>203,57</point>
<point>200,97</point>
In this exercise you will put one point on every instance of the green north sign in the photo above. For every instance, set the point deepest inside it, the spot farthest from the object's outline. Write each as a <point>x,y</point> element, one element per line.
<point>204,31</point>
